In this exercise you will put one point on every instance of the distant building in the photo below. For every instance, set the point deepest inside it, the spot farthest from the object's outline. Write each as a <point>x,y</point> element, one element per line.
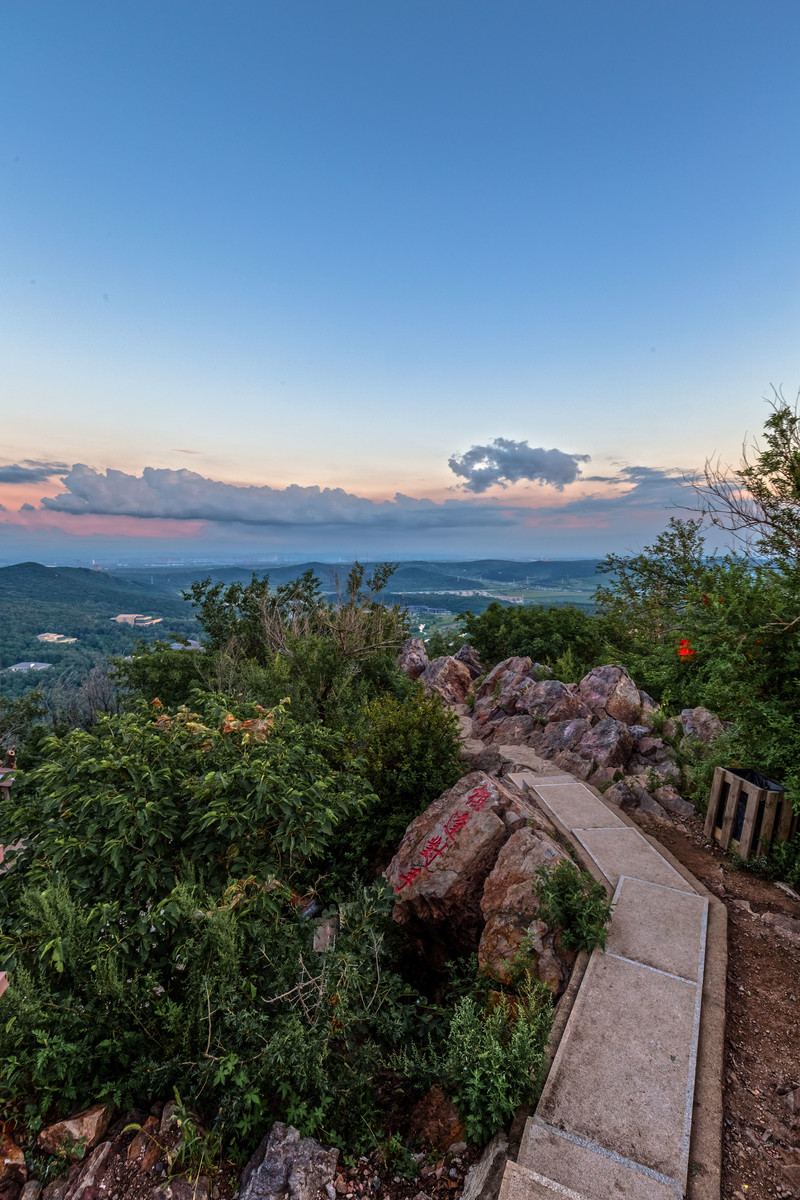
<point>29,666</point>
<point>58,639</point>
<point>136,619</point>
<point>190,645</point>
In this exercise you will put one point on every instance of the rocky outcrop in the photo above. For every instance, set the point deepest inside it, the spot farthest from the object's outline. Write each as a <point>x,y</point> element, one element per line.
<point>287,1167</point>
<point>509,906</point>
<point>13,1171</point>
<point>449,677</point>
<point>551,700</point>
<point>412,657</point>
<point>610,692</point>
<point>469,657</point>
<point>442,863</point>
<point>501,689</point>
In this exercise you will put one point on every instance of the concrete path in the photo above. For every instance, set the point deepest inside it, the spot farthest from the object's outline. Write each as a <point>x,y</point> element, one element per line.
<point>614,1121</point>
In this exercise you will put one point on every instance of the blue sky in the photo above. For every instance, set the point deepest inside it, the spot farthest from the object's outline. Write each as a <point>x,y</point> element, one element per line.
<point>335,245</point>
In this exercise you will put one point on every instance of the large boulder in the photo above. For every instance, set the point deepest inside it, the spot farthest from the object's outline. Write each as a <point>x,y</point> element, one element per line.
<point>469,657</point>
<point>551,700</point>
<point>700,725</point>
<point>509,902</point>
<point>610,692</point>
<point>287,1167</point>
<point>607,744</point>
<point>501,688</point>
<point>412,657</point>
<point>444,859</point>
<point>503,730</point>
<point>551,739</point>
<point>449,677</point>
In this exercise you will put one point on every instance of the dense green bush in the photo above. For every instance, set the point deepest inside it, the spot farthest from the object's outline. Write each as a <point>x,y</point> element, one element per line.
<point>575,904</point>
<point>493,1058</point>
<point>543,634</point>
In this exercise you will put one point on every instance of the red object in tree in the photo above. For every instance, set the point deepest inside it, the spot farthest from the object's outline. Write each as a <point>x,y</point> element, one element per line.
<point>684,649</point>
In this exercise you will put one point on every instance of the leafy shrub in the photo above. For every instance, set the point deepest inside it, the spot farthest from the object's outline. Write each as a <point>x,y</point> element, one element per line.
<point>571,901</point>
<point>409,753</point>
<point>543,634</point>
<point>493,1059</point>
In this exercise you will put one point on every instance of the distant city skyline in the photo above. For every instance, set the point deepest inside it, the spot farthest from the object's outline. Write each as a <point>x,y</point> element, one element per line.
<point>347,280</point>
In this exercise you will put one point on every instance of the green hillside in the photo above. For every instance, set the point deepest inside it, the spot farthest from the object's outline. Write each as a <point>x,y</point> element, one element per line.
<point>76,603</point>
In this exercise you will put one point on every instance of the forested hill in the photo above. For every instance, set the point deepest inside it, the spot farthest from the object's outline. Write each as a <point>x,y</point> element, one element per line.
<point>454,586</point>
<point>93,591</point>
<point>79,603</point>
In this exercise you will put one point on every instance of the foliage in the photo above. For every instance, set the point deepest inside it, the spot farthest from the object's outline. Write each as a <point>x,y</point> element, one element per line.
<point>119,812</point>
<point>325,656</point>
<point>782,862</point>
<point>571,901</point>
<point>230,1002</point>
<point>543,634</point>
<point>759,502</point>
<point>411,753</point>
<point>493,1059</point>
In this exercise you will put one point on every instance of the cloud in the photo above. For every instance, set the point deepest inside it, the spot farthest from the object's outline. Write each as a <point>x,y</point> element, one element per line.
<point>504,461</point>
<point>185,495</point>
<point>31,470</point>
<point>637,488</point>
<point>27,508</point>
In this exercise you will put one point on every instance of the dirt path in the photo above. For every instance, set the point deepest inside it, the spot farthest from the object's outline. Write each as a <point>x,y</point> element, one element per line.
<point>761,1140</point>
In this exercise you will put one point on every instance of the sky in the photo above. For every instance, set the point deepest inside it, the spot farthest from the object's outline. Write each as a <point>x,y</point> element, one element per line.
<point>445,278</point>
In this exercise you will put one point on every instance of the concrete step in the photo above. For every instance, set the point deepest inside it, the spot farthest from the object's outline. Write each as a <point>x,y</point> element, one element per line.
<point>569,1167</point>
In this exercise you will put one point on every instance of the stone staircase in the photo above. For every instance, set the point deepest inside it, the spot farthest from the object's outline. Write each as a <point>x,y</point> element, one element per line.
<point>615,1119</point>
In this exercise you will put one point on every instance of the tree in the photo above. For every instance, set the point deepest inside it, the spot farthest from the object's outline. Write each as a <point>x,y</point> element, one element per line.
<point>759,501</point>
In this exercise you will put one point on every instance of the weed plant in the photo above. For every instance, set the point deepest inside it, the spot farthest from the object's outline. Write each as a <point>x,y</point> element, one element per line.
<point>575,904</point>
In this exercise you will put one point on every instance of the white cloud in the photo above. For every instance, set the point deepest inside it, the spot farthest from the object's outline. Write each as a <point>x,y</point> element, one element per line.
<point>504,461</point>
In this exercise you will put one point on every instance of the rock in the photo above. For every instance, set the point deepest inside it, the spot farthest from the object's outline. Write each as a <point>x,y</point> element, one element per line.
<point>610,692</point>
<point>145,1148</point>
<point>287,1167</point>
<point>469,658</point>
<point>31,1191</point>
<point>183,1188</point>
<point>412,658</point>
<point>626,794</point>
<point>88,1181</point>
<point>508,731</point>
<point>443,860</point>
<point>787,927</point>
<point>435,1121</point>
<point>648,805</point>
<point>169,1119</point>
<point>608,744</point>
<point>449,677</point>
<point>13,1171</point>
<point>700,725</point>
<point>484,1177</point>
<point>509,903</point>
<point>83,1131</point>
<point>557,736</point>
<point>670,799</point>
<point>552,700</point>
<point>540,671</point>
<point>502,688</point>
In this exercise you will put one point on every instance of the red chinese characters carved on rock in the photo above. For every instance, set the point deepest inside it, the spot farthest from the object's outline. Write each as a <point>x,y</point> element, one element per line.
<point>433,848</point>
<point>478,798</point>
